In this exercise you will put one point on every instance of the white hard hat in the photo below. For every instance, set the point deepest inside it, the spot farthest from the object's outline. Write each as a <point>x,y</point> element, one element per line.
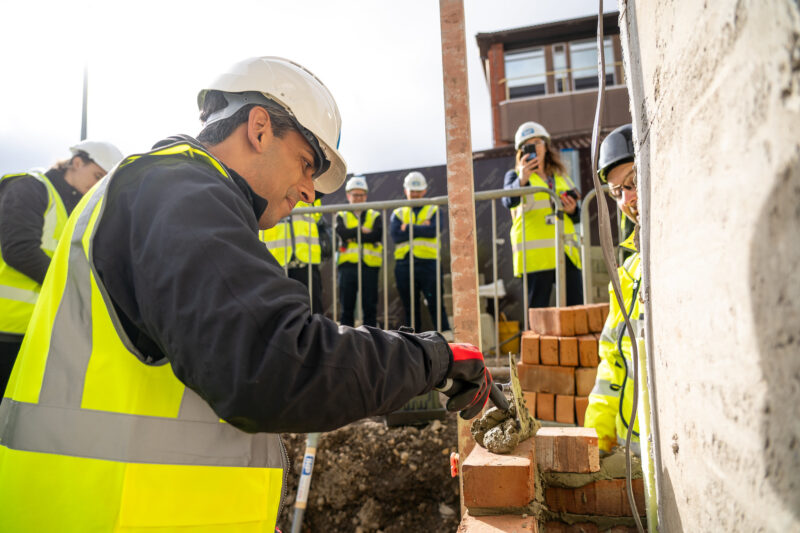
<point>415,181</point>
<point>356,182</point>
<point>105,154</point>
<point>298,91</point>
<point>529,130</point>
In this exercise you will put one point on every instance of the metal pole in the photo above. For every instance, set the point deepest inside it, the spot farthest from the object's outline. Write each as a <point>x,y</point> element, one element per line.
<point>438,274</point>
<point>385,241</point>
<point>561,294</point>
<point>359,291</point>
<point>411,264</point>
<point>494,280</point>
<point>335,270</point>
<point>85,108</point>
<point>310,282</point>
<point>524,245</point>
<point>460,191</point>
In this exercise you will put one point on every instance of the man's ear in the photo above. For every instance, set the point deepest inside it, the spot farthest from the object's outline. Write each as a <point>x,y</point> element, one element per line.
<point>259,128</point>
<point>76,162</point>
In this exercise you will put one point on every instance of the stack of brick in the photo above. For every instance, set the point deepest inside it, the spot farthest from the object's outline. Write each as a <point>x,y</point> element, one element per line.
<point>501,492</point>
<point>559,360</point>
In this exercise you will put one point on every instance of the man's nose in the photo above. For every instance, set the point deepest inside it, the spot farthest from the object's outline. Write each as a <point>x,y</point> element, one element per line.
<point>306,189</point>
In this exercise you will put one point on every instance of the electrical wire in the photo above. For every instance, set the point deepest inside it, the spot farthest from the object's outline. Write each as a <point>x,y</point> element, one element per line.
<point>608,255</point>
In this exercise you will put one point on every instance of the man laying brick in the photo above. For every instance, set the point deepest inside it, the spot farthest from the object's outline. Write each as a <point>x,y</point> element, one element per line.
<point>611,400</point>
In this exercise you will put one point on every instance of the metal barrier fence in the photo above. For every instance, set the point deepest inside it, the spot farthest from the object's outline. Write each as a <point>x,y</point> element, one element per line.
<point>384,208</point>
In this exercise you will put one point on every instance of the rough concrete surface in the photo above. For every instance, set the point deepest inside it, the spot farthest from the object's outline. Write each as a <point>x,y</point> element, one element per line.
<point>715,90</point>
<point>611,467</point>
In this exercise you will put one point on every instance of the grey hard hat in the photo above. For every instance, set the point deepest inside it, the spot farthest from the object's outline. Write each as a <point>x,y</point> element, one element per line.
<point>616,148</point>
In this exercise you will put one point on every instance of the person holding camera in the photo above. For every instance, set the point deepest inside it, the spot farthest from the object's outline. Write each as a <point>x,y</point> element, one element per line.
<point>360,234</point>
<point>538,165</point>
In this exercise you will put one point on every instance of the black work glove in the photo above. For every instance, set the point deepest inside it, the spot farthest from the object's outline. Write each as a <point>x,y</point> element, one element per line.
<point>468,384</point>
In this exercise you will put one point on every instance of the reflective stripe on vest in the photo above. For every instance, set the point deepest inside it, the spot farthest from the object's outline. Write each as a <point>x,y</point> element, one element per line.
<point>278,240</point>
<point>424,247</point>
<point>91,430</point>
<point>18,292</point>
<point>306,235</point>
<point>539,245</point>
<point>371,252</point>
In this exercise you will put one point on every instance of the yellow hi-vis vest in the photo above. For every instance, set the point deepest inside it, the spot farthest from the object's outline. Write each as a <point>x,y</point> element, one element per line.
<point>95,438</point>
<point>611,400</point>
<point>539,235</point>
<point>424,248</point>
<point>371,252</point>
<point>18,292</point>
<point>292,240</point>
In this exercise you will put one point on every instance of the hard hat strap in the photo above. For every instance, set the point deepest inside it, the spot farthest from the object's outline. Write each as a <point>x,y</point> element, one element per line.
<point>236,101</point>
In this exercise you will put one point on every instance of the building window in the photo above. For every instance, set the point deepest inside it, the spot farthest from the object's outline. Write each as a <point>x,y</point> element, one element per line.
<point>525,73</point>
<point>583,59</point>
<point>560,70</point>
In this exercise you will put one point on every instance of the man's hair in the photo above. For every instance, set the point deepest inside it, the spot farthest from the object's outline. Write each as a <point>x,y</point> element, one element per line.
<point>64,164</point>
<point>217,132</point>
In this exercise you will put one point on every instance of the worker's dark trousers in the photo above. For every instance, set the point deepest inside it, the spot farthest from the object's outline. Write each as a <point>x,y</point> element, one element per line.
<point>348,287</point>
<point>424,283</point>
<point>540,285</point>
<point>301,275</point>
<point>9,349</point>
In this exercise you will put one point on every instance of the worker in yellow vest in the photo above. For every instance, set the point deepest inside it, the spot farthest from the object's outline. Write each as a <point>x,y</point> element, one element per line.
<point>426,247</point>
<point>34,206</point>
<point>168,349</point>
<point>360,234</point>
<point>611,400</point>
<point>533,227</point>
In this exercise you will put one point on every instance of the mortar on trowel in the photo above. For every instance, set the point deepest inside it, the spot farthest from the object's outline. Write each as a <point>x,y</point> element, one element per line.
<point>500,431</point>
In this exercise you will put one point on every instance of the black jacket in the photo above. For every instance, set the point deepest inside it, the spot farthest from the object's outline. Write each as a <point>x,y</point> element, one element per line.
<point>179,253</point>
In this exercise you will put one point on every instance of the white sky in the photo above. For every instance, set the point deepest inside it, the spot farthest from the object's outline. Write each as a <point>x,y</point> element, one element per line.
<point>148,59</point>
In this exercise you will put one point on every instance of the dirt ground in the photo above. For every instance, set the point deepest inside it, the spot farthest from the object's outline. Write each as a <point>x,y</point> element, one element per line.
<point>368,478</point>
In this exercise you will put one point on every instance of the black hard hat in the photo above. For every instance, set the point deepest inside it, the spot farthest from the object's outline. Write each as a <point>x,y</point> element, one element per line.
<point>616,148</point>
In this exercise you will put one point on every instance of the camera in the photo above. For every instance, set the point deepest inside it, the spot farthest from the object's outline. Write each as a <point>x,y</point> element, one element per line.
<point>529,152</point>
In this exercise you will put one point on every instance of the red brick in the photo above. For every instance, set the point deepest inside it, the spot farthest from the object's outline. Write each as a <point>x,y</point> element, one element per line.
<point>596,318</point>
<point>542,378</point>
<point>530,348</point>
<point>559,321</point>
<point>584,380</point>
<point>581,404</point>
<point>548,350</point>
<point>587,351</point>
<point>545,406</point>
<point>604,309</point>
<point>581,319</point>
<point>494,480</point>
<point>565,409</point>
<point>503,523</point>
<point>561,527</point>
<point>530,401</point>
<point>568,351</point>
<point>606,497</point>
<point>567,449</point>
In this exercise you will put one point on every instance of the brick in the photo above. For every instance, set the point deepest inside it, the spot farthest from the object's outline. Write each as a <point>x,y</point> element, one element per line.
<point>584,380</point>
<point>581,319</point>
<point>559,321</point>
<point>605,497</point>
<point>604,309</point>
<point>596,318</point>
<point>530,348</point>
<point>581,404</point>
<point>565,409</point>
<point>568,351</point>
<point>587,351</point>
<point>503,523</point>
<point>548,350</point>
<point>542,378</point>
<point>561,527</point>
<point>545,406</point>
<point>567,449</point>
<point>494,480</point>
<point>530,401</point>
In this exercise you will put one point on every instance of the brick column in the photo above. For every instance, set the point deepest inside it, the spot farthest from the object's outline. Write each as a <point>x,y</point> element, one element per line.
<point>497,89</point>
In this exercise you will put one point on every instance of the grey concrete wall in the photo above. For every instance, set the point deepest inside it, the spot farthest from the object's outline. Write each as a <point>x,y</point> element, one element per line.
<point>715,90</point>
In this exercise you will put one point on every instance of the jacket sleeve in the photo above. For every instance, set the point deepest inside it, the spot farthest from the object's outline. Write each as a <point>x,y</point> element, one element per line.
<point>239,332</point>
<point>376,235</point>
<point>511,182</point>
<point>22,206</point>
<point>601,413</point>
<point>398,235</point>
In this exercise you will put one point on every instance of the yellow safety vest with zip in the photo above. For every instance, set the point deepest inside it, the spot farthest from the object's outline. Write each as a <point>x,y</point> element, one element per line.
<point>18,292</point>
<point>611,400</point>
<point>539,245</point>
<point>372,252</point>
<point>293,237</point>
<point>95,437</point>
<point>424,247</point>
